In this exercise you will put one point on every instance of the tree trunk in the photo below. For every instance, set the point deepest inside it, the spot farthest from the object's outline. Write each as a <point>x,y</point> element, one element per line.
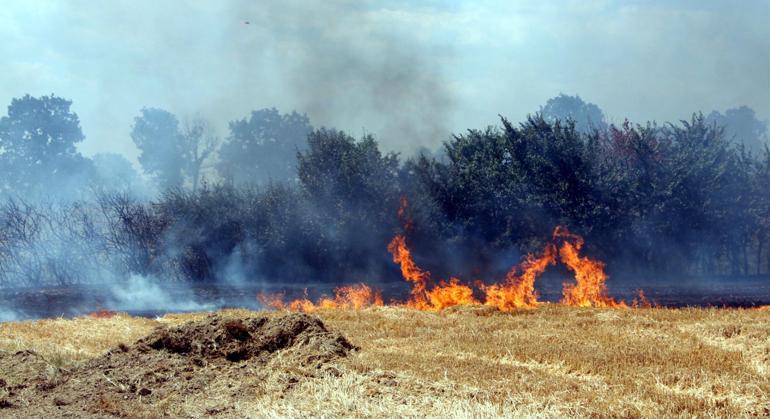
<point>745,259</point>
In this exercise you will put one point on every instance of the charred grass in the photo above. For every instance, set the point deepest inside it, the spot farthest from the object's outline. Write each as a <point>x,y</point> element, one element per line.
<point>466,361</point>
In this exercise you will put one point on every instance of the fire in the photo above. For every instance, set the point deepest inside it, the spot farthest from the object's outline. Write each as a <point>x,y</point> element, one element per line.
<point>518,291</point>
<point>444,294</point>
<point>102,314</point>
<point>447,294</point>
<point>641,301</point>
<point>411,272</point>
<point>356,296</point>
<point>589,289</point>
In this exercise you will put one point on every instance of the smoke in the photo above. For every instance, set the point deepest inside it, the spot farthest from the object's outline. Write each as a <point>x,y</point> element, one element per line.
<point>144,294</point>
<point>8,315</point>
<point>354,64</point>
<point>400,70</point>
<point>348,64</point>
<point>382,65</point>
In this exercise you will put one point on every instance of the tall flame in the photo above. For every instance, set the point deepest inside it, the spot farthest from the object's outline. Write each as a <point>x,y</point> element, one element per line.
<point>589,289</point>
<point>411,272</point>
<point>518,291</point>
<point>444,294</point>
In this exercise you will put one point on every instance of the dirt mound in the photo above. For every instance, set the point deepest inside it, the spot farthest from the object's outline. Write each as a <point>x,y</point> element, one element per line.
<point>239,340</point>
<point>220,356</point>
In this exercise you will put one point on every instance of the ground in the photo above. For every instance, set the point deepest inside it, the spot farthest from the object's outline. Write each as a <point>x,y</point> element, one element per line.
<point>463,361</point>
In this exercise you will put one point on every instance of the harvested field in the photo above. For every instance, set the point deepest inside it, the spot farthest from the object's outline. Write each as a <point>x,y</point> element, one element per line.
<point>388,361</point>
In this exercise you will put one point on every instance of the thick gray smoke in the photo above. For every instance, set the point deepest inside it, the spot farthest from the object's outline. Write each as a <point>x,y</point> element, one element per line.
<point>347,64</point>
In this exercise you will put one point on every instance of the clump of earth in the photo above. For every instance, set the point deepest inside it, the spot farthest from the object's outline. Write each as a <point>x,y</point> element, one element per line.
<point>217,358</point>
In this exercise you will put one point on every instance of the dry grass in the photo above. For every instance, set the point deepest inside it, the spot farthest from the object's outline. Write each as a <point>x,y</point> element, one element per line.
<point>553,361</point>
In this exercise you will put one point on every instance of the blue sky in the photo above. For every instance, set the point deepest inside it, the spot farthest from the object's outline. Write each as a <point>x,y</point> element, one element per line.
<point>454,64</point>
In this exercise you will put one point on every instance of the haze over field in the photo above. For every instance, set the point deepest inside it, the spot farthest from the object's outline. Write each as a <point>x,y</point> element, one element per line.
<point>385,208</point>
<point>410,72</point>
<point>250,143</point>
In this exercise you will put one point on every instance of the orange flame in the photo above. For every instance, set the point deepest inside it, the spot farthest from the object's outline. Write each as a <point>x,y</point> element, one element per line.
<point>356,296</point>
<point>445,294</point>
<point>519,291</point>
<point>402,214</point>
<point>589,289</point>
<point>641,301</point>
<point>102,314</point>
<point>411,272</point>
<point>516,291</point>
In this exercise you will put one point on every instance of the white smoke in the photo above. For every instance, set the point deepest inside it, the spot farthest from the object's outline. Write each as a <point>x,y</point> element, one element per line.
<point>7,315</point>
<point>143,294</point>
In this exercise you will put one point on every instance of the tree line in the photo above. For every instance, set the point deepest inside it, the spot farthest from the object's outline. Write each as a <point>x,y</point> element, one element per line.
<point>280,200</point>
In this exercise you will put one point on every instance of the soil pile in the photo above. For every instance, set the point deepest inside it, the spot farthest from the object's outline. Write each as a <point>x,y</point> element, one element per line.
<point>240,340</point>
<point>217,358</point>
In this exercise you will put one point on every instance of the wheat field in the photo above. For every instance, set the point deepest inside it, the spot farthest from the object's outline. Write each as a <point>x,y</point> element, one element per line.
<point>552,361</point>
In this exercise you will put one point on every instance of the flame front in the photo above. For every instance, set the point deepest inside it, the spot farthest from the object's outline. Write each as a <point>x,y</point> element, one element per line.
<point>518,291</point>
<point>411,272</point>
<point>356,296</point>
<point>515,292</point>
<point>589,289</point>
<point>445,294</point>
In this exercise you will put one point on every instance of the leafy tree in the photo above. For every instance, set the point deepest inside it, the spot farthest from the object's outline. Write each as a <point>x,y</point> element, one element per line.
<point>760,206</point>
<point>175,156</point>
<point>263,147</point>
<point>115,172</point>
<point>639,166</point>
<point>700,159</point>
<point>352,185</point>
<point>198,143</point>
<point>38,146</point>
<point>586,116</point>
<point>339,172</point>
<point>163,153</point>
<point>741,124</point>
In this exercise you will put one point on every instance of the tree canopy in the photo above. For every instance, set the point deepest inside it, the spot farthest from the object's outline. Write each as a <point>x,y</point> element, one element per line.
<point>38,142</point>
<point>586,116</point>
<point>263,147</point>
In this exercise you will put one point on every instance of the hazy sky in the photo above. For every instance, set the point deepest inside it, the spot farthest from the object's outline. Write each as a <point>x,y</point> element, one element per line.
<point>410,72</point>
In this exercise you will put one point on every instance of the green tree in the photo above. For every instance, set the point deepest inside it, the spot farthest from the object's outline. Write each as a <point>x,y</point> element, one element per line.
<point>175,156</point>
<point>198,145</point>
<point>114,172</point>
<point>586,116</point>
<point>742,126</point>
<point>263,147</point>
<point>354,189</point>
<point>38,148</point>
<point>163,153</point>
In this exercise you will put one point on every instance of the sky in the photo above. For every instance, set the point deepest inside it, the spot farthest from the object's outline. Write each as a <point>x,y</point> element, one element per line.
<point>409,72</point>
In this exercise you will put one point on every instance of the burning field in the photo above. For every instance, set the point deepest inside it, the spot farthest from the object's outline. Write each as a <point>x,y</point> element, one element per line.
<point>516,291</point>
<point>451,349</point>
